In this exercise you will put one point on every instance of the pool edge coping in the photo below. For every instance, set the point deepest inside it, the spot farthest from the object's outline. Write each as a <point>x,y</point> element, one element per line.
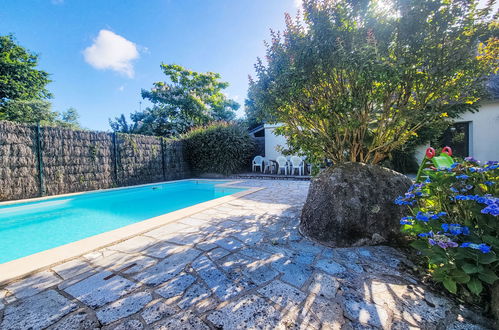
<point>23,267</point>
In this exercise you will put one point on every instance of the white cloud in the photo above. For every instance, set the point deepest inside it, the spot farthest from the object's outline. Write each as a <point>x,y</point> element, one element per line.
<point>121,88</point>
<point>112,51</point>
<point>298,3</point>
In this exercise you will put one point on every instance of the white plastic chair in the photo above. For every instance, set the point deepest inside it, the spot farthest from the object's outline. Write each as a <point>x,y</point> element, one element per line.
<point>296,164</point>
<point>258,161</point>
<point>268,165</point>
<point>282,163</point>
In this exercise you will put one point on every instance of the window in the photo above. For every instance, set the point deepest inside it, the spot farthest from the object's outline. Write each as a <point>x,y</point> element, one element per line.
<point>457,137</point>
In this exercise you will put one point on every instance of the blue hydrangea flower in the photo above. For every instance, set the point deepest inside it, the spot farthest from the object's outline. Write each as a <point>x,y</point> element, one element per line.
<point>489,183</point>
<point>471,159</point>
<point>455,229</point>
<point>462,177</point>
<point>406,220</point>
<point>484,248</point>
<point>422,216</point>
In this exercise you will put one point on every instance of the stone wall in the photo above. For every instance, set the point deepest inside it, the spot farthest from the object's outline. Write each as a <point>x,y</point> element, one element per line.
<point>76,160</point>
<point>18,162</point>
<point>73,161</point>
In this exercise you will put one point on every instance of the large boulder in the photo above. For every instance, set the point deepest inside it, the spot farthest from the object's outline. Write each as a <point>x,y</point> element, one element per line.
<point>494,302</point>
<point>352,204</point>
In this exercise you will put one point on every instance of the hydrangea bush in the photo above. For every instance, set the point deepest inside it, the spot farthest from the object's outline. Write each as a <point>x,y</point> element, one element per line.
<point>454,222</point>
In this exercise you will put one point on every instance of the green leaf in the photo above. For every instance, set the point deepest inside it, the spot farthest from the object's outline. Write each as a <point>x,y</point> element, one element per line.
<point>491,240</point>
<point>471,269</point>
<point>487,258</point>
<point>459,276</point>
<point>420,245</point>
<point>488,276</point>
<point>475,286</point>
<point>450,285</point>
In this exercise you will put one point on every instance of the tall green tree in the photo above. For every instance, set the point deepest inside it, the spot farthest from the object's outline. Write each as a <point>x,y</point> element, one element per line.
<point>354,80</point>
<point>186,99</point>
<point>24,96</point>
<point>19,78</point>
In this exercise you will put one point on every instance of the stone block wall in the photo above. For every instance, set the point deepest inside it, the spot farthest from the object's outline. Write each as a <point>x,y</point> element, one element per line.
<point>18,161</point>
<point>73,161</point>
<point>76,160</point>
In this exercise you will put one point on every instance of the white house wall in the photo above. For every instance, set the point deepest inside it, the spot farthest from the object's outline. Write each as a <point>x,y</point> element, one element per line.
<point>484,131</point>
<point>273,141</point>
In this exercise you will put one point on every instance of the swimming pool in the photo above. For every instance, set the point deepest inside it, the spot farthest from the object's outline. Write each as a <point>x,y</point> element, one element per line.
<point>30,227</point>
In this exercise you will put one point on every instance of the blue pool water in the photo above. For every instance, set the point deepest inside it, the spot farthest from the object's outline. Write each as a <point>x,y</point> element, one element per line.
<point>27,228</point>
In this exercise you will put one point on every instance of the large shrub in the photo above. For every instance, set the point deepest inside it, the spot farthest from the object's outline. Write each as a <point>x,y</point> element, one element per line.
<point>454,222</point>
<point>351,81</point>
<point>223,148</point>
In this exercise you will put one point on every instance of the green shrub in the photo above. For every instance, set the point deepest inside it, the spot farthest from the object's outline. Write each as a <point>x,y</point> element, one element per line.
<point>223,148</point>
<point>454,222</point>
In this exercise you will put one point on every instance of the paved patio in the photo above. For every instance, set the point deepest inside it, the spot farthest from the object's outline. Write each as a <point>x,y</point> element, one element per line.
<point>240,265</point>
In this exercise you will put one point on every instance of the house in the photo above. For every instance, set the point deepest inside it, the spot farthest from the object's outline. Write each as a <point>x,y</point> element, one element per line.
<point>473,134</point>
<point>269,144</point>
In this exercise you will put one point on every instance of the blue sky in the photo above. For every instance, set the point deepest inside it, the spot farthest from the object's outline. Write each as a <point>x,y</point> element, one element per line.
<point>100,54</point>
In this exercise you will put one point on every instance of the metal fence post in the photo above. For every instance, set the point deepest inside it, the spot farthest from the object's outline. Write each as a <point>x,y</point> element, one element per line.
<point>115,149</point>
<point>40,159</point>
<point>163,165</point>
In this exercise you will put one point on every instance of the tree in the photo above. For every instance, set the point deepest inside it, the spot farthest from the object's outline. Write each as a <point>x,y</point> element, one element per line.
<point>27,111</point>
<point>185,100</point>
<point>19,78</point>
<point>253,118</point>
<point>69,119</point>
<point>355,80</point>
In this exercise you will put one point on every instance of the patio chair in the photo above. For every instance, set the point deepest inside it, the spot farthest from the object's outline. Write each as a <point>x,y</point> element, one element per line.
<point>296,164</point>
<point>282,163</point>
<point>268,165</point>
<point>258,161</point>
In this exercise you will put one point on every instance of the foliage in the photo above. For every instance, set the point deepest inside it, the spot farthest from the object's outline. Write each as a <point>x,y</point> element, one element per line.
<point>219,147</point>
<point>19,78</point>
<point>493,86</point>
<point>68,119</point>
<point>355,80</point>
<point>252,118</point>
<point>28,111</point>
<point>23,93</point>
<point>453,220</point>
<point>121,125</point>
<point>185,100</point>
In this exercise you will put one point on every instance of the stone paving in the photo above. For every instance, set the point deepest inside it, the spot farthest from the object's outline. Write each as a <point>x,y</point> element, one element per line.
<point>240,265</point>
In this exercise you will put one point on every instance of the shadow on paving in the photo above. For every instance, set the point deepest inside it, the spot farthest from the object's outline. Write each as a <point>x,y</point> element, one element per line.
<point>239,265</point>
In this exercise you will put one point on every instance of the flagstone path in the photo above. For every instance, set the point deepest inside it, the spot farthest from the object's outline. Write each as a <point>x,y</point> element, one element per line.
<point>240,265</point>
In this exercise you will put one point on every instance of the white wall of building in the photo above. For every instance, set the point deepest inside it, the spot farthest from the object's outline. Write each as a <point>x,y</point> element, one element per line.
<point>484,131</point>
<point>483,134</point>
<point>273,142</point>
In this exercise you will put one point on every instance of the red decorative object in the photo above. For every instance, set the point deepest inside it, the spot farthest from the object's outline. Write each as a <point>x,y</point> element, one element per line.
<point>447,150</point>
<point>430,153</point>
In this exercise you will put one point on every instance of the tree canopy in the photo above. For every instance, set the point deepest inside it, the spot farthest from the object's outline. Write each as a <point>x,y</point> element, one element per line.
<point>19,78</point>
<point>23,88</point>
<point>185,100</point>
<point>354,80</point>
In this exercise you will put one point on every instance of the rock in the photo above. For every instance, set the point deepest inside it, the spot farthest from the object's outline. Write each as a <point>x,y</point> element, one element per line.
<point>494,301</point>
<point>250,312</point>
<point>352,204</point>
<point>37,312</point>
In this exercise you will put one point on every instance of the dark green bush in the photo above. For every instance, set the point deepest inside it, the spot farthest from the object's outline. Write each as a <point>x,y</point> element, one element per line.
<point>223,148</point>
